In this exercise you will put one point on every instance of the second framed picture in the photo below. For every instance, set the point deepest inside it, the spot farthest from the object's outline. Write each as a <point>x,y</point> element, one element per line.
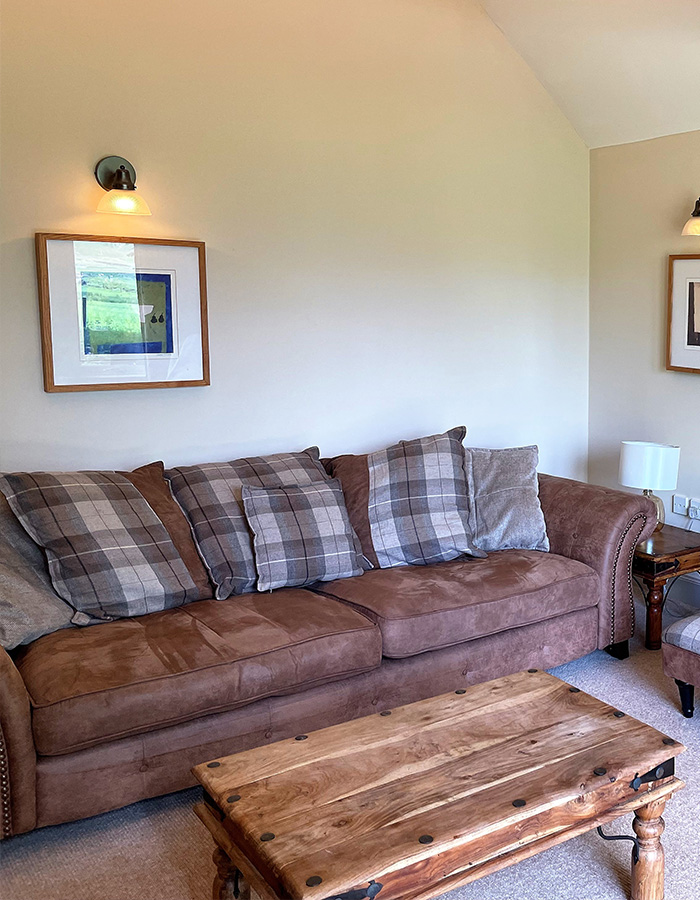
<point>683,325</point>
<point>122,313</point>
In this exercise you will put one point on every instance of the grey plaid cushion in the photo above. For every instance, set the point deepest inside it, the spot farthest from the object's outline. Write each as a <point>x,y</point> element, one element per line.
<point>210,495</point>
<point>685,633</point>
<point>301,534</point>
<point>109,554</point>
<point>418,501</point>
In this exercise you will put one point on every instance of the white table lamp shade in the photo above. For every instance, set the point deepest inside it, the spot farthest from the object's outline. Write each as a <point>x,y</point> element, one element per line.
<point>649,466</point>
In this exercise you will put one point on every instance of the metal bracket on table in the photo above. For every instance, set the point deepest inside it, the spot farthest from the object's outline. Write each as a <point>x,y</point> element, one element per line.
<point>650,569</point>
<point>663,771</point>
<point>622,837</point>
<point>370,892</point>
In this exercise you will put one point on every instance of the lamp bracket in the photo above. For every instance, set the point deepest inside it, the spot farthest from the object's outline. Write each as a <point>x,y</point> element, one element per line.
<point>106,168</point>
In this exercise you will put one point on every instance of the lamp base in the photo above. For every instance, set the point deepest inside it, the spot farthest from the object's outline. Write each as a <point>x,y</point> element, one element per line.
<point>660,511</point>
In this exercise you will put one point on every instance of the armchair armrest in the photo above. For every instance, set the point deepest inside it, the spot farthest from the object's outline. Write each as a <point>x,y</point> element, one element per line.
<point>17,753</point>
<point>600,527</point>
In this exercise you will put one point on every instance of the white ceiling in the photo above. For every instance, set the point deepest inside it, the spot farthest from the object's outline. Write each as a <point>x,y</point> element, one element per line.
<point>621,70</point>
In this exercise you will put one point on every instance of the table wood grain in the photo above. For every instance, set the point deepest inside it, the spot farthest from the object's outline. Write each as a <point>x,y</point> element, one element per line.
<point>435,793</point>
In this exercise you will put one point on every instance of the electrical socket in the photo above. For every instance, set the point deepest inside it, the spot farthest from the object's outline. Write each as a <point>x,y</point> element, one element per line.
<point>680,504</point>
<point>694,512</point>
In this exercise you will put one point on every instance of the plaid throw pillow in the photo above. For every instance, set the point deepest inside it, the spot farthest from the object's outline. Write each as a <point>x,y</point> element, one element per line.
<point>684,633</point>
<point>109,554</point>
<point>418,506</point>
<point>210,495</point>
<point>301,535</point>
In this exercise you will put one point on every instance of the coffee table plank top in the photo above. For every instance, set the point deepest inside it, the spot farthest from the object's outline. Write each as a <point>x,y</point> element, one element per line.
<point>352,801</point>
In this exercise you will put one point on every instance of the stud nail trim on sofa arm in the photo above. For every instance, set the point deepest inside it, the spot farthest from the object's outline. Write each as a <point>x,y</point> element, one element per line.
<point>17,754</point>
<point>599,527</point>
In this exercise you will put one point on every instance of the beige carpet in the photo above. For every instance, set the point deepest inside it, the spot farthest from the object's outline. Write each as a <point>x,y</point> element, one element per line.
<point>158,850</point>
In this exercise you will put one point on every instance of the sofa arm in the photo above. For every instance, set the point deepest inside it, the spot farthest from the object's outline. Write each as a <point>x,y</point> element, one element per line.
<point>17,753</point>
<point>600,527</point>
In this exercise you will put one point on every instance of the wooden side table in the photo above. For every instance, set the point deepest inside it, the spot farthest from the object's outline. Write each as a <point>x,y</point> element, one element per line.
<point>665,555</point>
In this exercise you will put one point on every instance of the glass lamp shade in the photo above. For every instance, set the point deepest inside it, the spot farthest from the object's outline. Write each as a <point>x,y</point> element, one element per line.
<point>649,466</point>
<point>126,203</point>
<point>692,226</point>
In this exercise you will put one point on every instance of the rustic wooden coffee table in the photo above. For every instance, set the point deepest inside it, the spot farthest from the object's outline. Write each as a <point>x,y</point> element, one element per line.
<point>415,801</point>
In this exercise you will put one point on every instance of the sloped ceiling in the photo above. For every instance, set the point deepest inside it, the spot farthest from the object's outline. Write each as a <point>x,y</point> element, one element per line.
<point>621,70</point>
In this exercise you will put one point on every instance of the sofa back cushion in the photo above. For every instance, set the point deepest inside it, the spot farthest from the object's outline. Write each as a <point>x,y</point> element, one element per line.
<point>211,496</point>
<point>409,503</point>
<point>109,554</point>
<point>151,483</point>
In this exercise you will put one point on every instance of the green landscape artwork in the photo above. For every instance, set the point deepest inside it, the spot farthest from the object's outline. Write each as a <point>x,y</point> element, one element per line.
<point>127,312</point>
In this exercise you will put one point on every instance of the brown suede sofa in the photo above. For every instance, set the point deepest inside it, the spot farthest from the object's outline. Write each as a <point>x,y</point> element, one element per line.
<point>96,718</point>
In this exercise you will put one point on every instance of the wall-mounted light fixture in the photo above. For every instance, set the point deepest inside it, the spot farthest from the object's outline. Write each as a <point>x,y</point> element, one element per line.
<point>117,176</point>
<point>692,226</point>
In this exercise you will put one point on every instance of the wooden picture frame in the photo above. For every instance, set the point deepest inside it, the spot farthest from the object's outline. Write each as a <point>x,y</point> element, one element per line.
<point>98,330</point>
<point>683,314</point>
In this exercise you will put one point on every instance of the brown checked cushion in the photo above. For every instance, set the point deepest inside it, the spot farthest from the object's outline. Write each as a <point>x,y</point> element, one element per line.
<point>409,503</point>
<point>211,496</point>
<point>109,554</point>
<point>150,481</point>
<point>301,534</point>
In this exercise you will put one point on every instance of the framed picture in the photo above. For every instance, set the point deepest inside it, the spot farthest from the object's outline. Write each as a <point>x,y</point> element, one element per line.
<point>683,326</point>
<point>122,313</point>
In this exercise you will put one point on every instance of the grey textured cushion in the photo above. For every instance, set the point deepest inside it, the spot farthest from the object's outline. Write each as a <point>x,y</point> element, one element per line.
<point>301,534</point>
<point>29,606</point>
<point>505,506</point>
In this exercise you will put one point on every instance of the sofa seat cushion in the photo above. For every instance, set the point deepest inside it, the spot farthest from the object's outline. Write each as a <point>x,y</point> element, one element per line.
<point>91,685</point>
<point>419,609</point>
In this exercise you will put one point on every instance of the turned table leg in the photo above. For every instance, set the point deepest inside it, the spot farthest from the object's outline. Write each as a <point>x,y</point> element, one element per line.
<point>229,884</point>
<point>648,870</point>
<point>655,606</point>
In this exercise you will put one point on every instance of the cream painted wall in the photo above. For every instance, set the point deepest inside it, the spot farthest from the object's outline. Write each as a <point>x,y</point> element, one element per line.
<point>641,194</point>
<point>395,211</point>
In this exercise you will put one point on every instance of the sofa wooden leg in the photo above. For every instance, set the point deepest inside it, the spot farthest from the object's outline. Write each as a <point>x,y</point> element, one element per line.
<point>620,650</point>
<point>687,693</point>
